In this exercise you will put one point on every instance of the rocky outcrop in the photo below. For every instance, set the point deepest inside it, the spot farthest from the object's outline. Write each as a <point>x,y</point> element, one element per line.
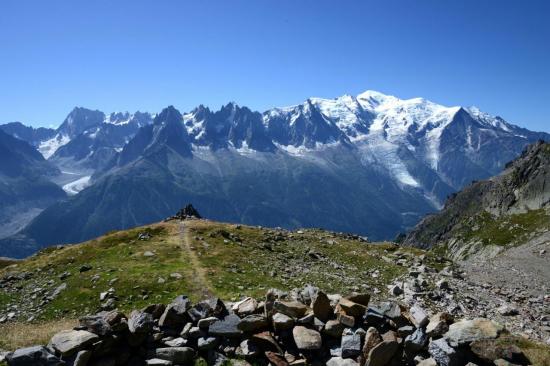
<point>187,212</point>
<point>500,211</point>
<point>283,329</point>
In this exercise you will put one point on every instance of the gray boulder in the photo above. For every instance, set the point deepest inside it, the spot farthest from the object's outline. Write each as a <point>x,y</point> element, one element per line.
<point>177,355</point>
<point>68,342</point>
<point>140,322</point>
<point>351,343</point>
<point>33,356</point>
<point>175,314</point>
<point>467,331</point>
<point>228,327</point>
<point>443,354</point>
<point>306,339</point>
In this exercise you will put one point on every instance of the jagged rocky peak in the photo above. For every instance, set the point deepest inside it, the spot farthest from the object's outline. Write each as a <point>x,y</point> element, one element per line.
<point>168,114</point>
<point>79,120</point>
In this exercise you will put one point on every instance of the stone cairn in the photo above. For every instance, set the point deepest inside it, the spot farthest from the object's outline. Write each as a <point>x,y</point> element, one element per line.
<point>187,212</point>
<point>304,327</point>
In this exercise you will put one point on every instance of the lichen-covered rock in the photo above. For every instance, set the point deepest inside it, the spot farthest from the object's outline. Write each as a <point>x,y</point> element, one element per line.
<point>306,339</point>
<point>68,342</point>
<point>467,331</point>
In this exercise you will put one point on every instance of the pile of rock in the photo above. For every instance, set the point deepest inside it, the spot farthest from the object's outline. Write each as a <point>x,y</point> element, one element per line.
<point>187,212</point>
<point>310,327</point>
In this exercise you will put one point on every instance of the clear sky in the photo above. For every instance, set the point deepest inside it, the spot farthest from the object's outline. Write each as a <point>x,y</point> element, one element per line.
<point>147,54</point>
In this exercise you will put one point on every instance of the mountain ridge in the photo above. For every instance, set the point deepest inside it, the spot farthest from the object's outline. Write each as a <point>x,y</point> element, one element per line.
<point>384,161</point>
<point>513,206</point>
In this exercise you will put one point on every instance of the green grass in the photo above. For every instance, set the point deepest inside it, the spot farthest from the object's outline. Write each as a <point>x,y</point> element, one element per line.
<point>254,261</point>
<point>505,230</point>
<point>116,257</point>
<point>235,261</point>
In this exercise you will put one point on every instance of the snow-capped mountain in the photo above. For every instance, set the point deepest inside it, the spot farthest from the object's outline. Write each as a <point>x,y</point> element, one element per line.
<point>98,142</point>
<point>372,164</point>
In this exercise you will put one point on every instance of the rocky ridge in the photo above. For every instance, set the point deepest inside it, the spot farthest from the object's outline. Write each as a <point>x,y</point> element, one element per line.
<point>305,326</point>
<point>508,209</point>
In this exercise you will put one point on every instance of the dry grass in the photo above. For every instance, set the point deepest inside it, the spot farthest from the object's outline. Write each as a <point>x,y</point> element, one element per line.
<point>20,334</point>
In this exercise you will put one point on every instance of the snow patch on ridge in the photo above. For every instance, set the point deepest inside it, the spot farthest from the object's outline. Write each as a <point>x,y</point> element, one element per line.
<point>49,147</point>
<point>76,186</point>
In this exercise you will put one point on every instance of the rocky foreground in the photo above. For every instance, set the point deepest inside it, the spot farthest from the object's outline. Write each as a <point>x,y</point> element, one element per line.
<point>305,326</point>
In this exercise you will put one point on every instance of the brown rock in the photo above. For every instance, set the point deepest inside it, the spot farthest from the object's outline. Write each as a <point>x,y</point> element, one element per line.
<point>359,298</point>
<point>266,342</point>
<point>276,359</point>
<point>491,350</point>
<point>321,306</point>
<point>347,320</point>
<point>371,340</point>
<point>352,308</point>
<point>294,309</point>
<point>333,328</point>
<point>382,353</point>
<point>438,325</point>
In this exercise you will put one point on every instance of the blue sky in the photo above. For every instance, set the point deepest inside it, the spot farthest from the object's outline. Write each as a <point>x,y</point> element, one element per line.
<point>130,55</point>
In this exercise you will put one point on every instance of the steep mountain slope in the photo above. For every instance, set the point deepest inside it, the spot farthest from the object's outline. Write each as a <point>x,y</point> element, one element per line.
<point>24,186</point>
<point>509,209</point>
<point>33,136</point>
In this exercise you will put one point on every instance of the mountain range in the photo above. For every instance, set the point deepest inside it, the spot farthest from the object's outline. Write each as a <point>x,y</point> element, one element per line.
<point>372,164</point>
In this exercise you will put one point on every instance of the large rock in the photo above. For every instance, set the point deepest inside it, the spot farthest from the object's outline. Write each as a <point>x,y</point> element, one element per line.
<point>282,321</point>
<point>294,309</point>
<point>252,323</point>
<point>334,328</point>
<point>351,343</point>
<point>359,298</point>
<point>82,358</point>
<point>416,342</point>
<point>490,350</point>
<point>228,327</point>
<point>467,331</point>
<point>177,355</point>
<point>321,306</point>
<point>95,324</point>
<point>306,339</point>
<point>444,354</point>
<point>245,307</point>
<point>266,342</point>
<point>247,348</point>
<point>175,314</point>
<point>339,361</point>
<point>352,308</point>
<point>140,322</point>
<point>418,316</point>
<point>276,359</point>
<point>207,308</point>
<point>33,356</point>
<point>438,325</point>
<point>382,353</point>
<point>372,339</point>
<point>68,342</point>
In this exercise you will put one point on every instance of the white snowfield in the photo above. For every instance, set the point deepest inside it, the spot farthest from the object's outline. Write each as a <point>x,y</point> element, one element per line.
<point>381,127</point>
<point>76,186</point>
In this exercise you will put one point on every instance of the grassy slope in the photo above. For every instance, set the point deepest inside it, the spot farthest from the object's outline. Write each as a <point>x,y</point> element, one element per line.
<point>234,260</point>
<point>505,230</point>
